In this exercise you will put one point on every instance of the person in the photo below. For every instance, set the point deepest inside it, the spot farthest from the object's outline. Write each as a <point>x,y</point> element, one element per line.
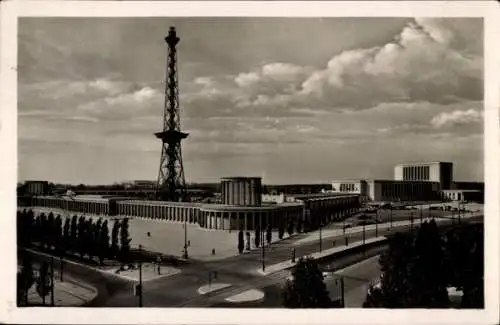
<point>149,234</point>
<point>158,264</point>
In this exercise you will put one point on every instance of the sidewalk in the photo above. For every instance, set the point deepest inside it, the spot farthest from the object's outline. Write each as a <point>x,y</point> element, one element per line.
<point>327,252</point>
<point>328,233</point>
<point>66,294</point>
<point>149,272</point>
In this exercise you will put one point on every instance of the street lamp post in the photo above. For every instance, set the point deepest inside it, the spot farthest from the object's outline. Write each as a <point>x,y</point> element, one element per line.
<point>459,213</point>
<point>411,222</point>
<point>185,253</point>
<point>390,216</point>
<point>263,251</point>
<point>140,276</point>
<point>320,226</point>
<point>343,225</point>
<point>52,282</point>
<point>363,233</point>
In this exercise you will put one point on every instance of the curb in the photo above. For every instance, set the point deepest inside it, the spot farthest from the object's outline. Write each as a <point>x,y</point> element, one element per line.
<point>348,249</point>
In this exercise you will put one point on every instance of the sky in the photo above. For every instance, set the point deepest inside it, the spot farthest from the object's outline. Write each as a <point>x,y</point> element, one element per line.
<point>293,100</point>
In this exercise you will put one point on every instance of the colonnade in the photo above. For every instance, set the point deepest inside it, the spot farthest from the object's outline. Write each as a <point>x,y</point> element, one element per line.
<point>170,211</point>
<point>85,206</point>
<point>246,218</point>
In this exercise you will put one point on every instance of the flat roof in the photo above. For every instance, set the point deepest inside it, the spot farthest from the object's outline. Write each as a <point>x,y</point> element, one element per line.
<point>424,163</point>
<point>240,177</point>
<point>322,195</point>
<point>223,207</point>
<point>400,181</point>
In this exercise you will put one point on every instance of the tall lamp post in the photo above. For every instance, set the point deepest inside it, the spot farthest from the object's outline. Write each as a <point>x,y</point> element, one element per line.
<point>185,253</point>
<point>390,216</point>
<point>139,288</point>
<point>263,251</point>
<point>411,222</point>
<point>320,239</point>
<point>364,223</point>
<point>52,284</point>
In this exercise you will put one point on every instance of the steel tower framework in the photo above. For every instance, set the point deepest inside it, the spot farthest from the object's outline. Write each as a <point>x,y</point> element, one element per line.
<point>171,184</point>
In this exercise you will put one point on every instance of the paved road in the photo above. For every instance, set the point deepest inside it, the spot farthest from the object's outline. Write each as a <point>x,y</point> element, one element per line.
<point>240,271</point>
<point>357,278</point>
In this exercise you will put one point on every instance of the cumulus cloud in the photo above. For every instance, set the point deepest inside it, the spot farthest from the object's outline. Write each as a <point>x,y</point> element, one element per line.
<point>457,118</point>
<point>432,60</point>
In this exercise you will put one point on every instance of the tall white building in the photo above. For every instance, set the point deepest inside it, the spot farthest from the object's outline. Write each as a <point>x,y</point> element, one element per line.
<point>412,182</point>
<point>440,172</point>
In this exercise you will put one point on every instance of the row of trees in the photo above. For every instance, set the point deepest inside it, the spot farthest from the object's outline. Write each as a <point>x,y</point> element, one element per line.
<point>79,235</point>
<point>418,268</point>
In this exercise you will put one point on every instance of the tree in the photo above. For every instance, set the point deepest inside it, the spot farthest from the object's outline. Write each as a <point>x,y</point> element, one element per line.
<point>26,278</point>
<point>290,228</point>
<point>394,263</point>
<point>412,272</point>
<point>257,237</point>
<point>44,283</point>
<point>29,226</point>
<point>124,241</point>
<point>374,296</point>
<point>37,230</point>
<point>66,237</point>
<point>464,249</point>
<point>306,289</point>
<point>43,229</point>
<point>90,242</point>
<point>248,240</point>
<point>103,242</point>
<point>50,231</point>
<point>82,233</point>
<point>114,239</point>
<point>73,238</point>
<point>429,275</point>
<point>58,238</point>
<point>299,225</point>
<point>241,242</point>
<point>281,230</point>
<point>269,234</point>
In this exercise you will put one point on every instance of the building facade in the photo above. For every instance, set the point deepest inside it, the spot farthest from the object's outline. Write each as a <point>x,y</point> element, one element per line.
<point>36,187</point>
<point>245,191</point>
<point>358,186</point>
<point>440,172</point>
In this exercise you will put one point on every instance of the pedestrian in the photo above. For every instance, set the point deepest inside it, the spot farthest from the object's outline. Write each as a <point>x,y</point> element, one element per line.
<point>158,264</point>
<point>189,243</point>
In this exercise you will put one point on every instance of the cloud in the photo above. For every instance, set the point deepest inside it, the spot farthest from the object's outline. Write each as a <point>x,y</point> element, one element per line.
<point>430,60</point>
<point>457,118</point>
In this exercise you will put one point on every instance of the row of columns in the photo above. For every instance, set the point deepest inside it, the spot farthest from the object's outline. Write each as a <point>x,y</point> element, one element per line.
<point>408,191</point>
<point>247,220</point>
<point>416,173</point>
<point>92,207</point>
<point>188,214</point>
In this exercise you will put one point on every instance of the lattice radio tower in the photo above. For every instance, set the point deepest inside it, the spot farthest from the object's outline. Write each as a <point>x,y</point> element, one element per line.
<point>171,185</point>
